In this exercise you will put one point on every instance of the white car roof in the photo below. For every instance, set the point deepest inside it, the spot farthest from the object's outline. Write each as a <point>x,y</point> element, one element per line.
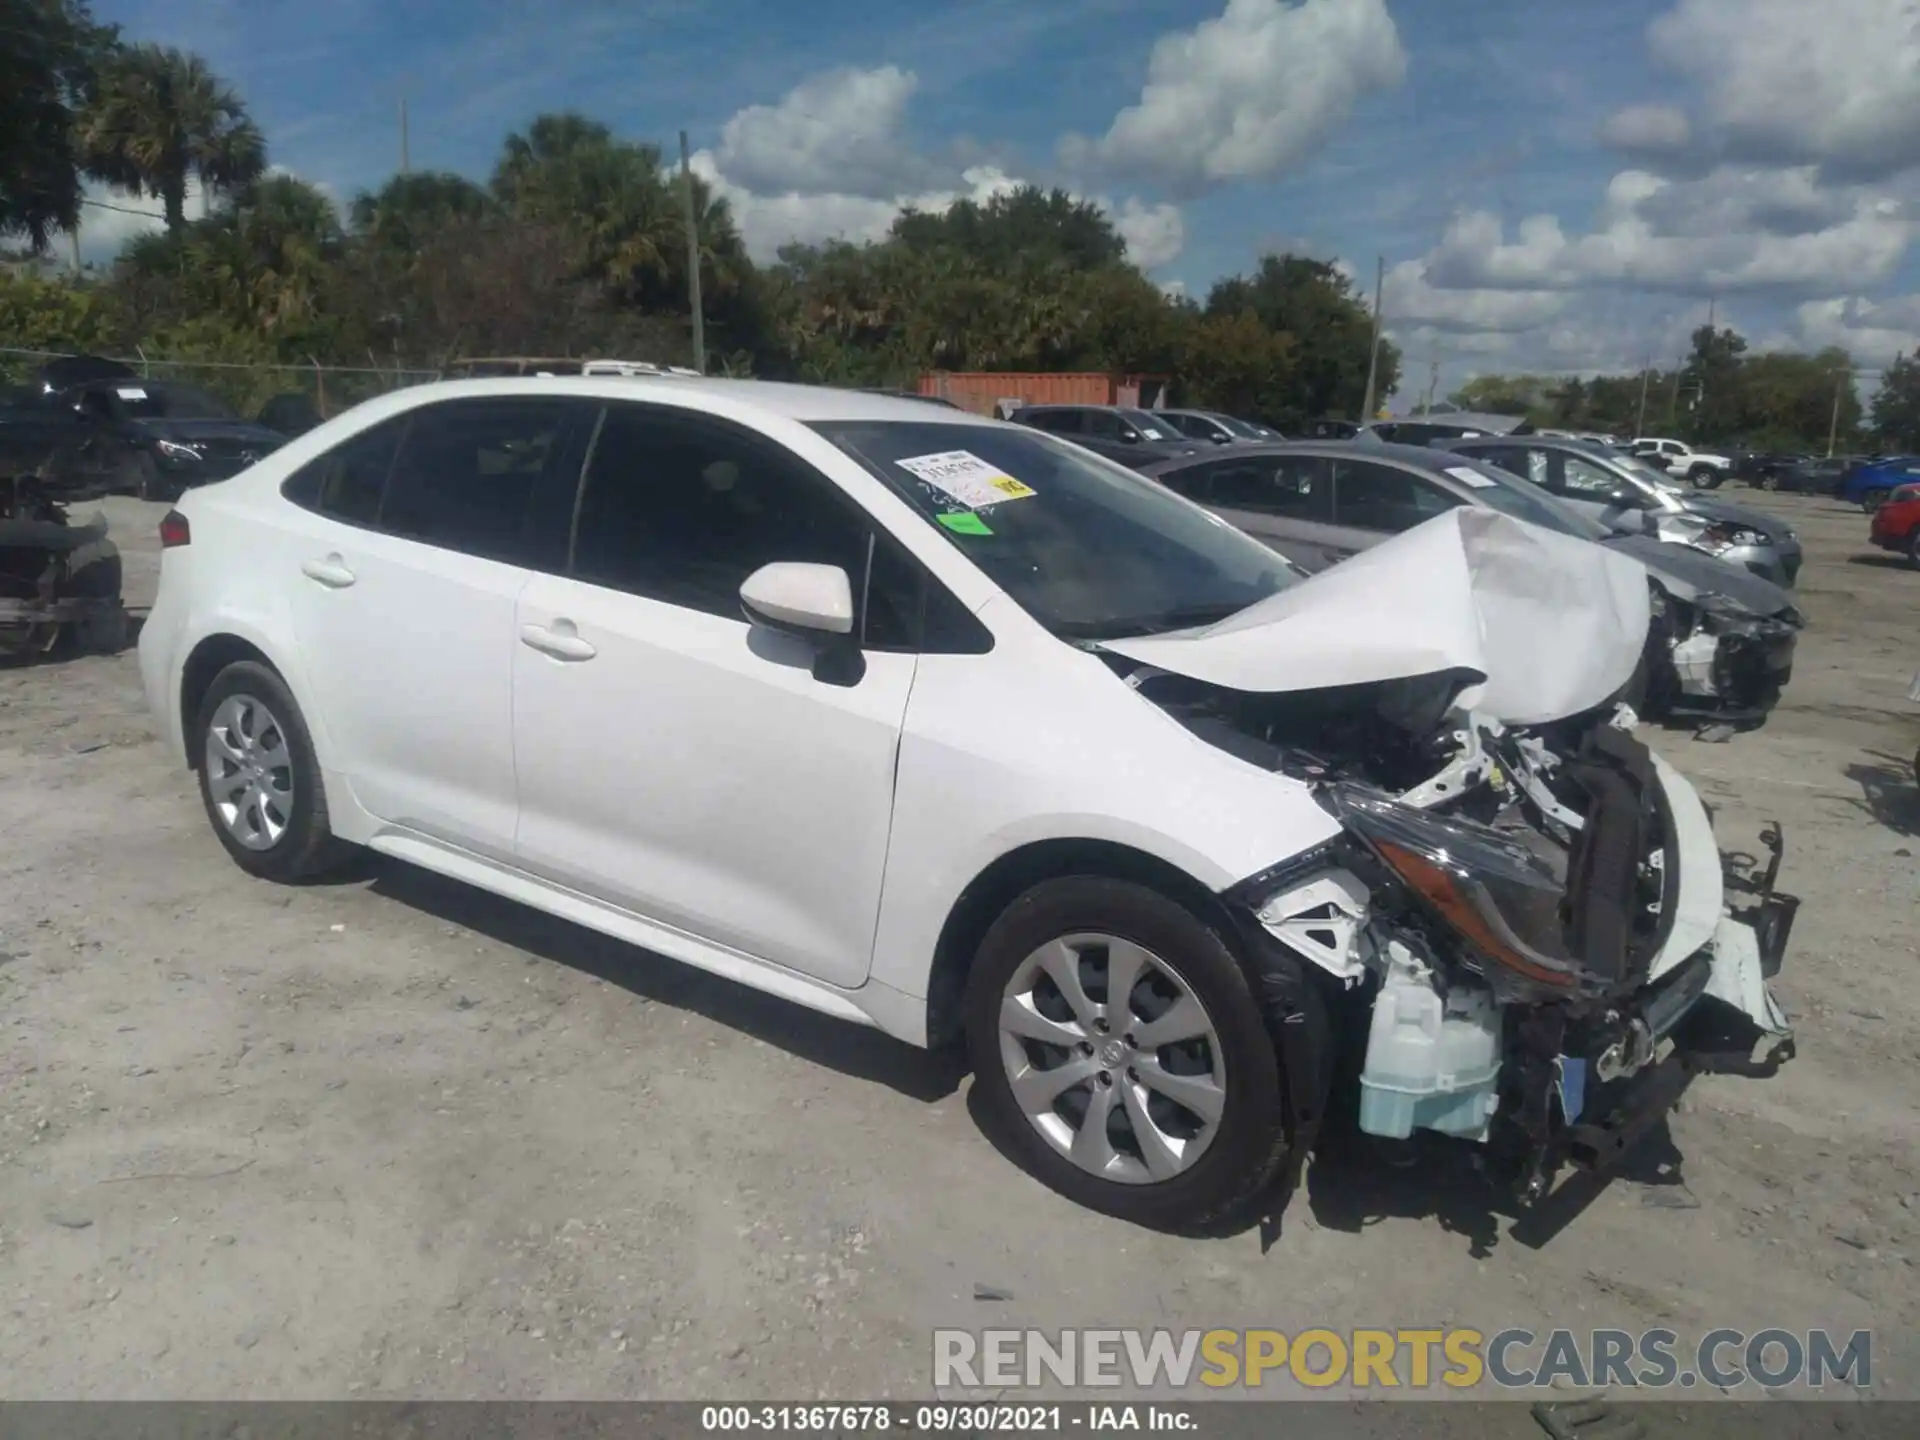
<point>793,402</point>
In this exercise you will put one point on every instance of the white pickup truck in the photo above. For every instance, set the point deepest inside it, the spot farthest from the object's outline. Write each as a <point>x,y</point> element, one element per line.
<point>1677,458</point>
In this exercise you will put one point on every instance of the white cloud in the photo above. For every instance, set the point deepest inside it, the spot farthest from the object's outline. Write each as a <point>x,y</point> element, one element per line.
<point>1408,299</point>
<point>1873,332</point>
<point>1248,94</point>
<point>839,133</point>
<point>1648,129</point>
<point>831,161</point>
<point>1155,234</point>
<point>1834,83</point>
<point>1730,231</point>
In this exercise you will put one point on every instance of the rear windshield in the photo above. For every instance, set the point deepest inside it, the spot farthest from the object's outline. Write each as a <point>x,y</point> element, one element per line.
<point>1088,548</point>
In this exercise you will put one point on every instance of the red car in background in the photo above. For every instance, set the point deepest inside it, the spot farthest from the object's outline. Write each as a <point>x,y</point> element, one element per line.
<point>1896,524</point>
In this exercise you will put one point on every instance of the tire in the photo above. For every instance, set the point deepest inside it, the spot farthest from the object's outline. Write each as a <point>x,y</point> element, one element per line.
<point>1913,547</point>
<point>1248,1142</point>
<point>1872,500</point>
<point>1704,477</point>
<point>150,484</point>
<point>304,845</point>
<point>93,573</point>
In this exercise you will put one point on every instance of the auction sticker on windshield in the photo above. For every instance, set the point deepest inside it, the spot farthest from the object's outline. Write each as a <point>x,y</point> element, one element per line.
<point>965,477</point>
<point>131,393</point>
<point>1469,477</point>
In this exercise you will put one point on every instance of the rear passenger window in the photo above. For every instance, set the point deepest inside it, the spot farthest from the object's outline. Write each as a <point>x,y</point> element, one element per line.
<point>346,483</point>
<point>1378,497</point>
<point>468,474</point>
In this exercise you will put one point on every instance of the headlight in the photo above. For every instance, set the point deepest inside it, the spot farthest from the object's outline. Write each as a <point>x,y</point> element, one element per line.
<point>178,453</point>
<point>1494,894</point>
<point>1716,539</point>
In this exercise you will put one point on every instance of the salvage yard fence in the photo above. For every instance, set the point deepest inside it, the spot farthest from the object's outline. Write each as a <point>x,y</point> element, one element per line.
<point>246,385</point>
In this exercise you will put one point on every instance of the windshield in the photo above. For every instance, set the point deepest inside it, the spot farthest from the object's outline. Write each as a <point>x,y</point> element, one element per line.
<point>1088,548</point>
<point>1522,499</point>
<point>153,400</point>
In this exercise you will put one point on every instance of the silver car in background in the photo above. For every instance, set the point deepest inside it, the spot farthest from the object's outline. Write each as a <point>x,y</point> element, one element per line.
<point>1626,494</point>
<point>1722,641</point>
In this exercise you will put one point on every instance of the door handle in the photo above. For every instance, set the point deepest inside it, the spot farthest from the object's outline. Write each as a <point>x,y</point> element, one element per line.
<point>331,572</point>
<point>562,642</point>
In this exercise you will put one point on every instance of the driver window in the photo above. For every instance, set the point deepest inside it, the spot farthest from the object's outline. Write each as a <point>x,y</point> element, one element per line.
<point>1109,426</point>
<point>1587,481</point>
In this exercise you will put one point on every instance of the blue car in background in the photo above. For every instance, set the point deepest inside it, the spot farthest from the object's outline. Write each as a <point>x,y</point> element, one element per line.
<point>1868,486</point>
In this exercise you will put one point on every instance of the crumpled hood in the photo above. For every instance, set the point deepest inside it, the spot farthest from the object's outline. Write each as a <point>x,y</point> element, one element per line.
<point>1688,574</point>
<point>1554,624</point>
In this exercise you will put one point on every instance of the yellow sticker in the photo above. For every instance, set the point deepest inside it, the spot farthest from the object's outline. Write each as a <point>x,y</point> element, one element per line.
<point>1011,487</point>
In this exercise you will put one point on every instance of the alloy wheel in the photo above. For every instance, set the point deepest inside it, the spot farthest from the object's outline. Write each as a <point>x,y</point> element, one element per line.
<point>249,772</point>
<point>1112,1058</point>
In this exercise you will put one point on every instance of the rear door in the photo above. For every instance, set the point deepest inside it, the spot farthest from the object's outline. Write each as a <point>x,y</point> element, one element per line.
<point>1373,499</point>
<point>1285,501</point>
<point>404,588</point>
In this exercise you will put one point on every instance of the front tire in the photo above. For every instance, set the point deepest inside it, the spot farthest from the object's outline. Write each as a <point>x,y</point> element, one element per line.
<point>1162,1105</point>
<point>259,778</point>
<point>1913,547</point>
<point>1704,477</point>
<point>1872,500</point>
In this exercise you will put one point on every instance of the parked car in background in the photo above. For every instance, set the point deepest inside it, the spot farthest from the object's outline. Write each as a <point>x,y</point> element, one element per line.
<point>1218,429</point>
<point>1119,432</point>
<point>1626,494</point>
<point>1446,425</point>
<point>1329,428</point>
<point>129,435</point>
<point>951,728</point>
<point>1759,468</point>
<point>1723,639</point>
<point>1701,468</point>
<point>293,413</point>
<point>1896,524</point>
<point>1870,485</point>
<point>1813,477</point>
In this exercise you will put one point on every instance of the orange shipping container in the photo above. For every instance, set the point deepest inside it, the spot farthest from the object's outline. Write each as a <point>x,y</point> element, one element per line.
<point>995,392</point>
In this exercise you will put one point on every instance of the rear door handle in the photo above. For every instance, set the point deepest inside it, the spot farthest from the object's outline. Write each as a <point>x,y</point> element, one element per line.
<point>562,641</point>
<point>331,572</point>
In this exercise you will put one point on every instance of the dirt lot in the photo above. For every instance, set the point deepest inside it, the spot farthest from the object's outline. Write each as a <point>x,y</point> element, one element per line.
<point>393,1138</point>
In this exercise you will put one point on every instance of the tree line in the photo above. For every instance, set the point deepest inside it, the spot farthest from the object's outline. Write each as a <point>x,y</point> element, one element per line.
<point>574,244</point>
<point>1722,394</point>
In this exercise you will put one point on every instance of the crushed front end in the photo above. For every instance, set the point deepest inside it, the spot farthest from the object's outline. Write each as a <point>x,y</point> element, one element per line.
<point>1547,957</point>
<point>1727,662</point>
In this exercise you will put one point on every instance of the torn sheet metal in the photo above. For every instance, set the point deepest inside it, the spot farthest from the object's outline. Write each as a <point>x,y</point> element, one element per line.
<point>1554,625</point>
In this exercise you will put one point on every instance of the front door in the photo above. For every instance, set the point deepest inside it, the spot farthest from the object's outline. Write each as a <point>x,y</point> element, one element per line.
<point>675,760</point>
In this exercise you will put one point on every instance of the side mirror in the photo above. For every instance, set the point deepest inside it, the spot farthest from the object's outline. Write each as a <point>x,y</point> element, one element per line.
<point>1130,437</point>
<point>1624,497</point>
<point>813,603</point>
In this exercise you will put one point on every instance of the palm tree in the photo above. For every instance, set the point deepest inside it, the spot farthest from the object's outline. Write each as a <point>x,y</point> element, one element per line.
<point>161,118</point>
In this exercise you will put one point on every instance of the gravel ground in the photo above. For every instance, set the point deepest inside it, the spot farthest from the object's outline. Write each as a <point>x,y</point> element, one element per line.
<point>391,1137</point>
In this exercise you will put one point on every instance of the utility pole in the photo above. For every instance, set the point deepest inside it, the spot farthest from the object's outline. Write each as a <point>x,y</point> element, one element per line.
<point>1640,419</point>
<point>1373,355</point>
<point>693,260</point>
<point>1433,380</point>
<point>1833,426</point>
<point>1673,397</point>
<point>403,135</point>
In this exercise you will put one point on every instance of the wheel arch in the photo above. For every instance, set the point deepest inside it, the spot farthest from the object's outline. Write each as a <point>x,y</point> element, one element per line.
<point>1010,875</point>
<point>211,654</point>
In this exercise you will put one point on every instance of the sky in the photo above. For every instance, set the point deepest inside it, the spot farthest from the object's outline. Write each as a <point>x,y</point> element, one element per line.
<point>1559,186</point>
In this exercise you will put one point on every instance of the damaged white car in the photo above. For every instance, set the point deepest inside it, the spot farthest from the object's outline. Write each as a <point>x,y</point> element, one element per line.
<point>944,726</point>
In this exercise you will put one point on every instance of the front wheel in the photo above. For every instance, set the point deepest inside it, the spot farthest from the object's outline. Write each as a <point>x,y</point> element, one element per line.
<point>1872,500</point>
<point>259,778</point>
<point>1118,1046</point>
<point>1913,547</point>
<point>1704,477</point>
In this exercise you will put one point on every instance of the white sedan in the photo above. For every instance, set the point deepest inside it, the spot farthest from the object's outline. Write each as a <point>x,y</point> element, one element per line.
<point>945,726</point>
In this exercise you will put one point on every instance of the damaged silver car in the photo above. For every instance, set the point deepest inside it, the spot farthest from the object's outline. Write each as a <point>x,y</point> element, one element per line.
<point>1722,643</point>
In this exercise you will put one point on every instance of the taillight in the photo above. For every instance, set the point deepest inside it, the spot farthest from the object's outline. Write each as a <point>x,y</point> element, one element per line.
<point>174,530</point>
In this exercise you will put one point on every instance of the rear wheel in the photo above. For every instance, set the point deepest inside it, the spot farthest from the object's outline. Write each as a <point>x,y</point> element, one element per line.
<point>1872,500</point>
<point>1118,1047</point>
<point>259,778</point>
